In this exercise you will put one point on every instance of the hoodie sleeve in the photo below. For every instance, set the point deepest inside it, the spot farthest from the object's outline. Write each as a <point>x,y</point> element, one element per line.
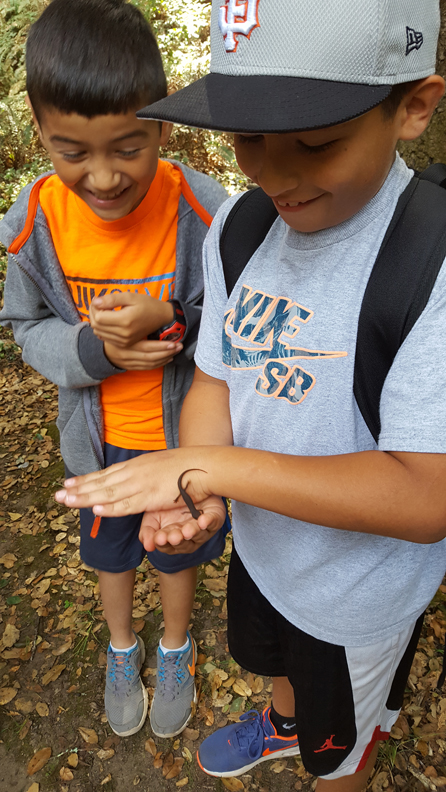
<point>67,354</point>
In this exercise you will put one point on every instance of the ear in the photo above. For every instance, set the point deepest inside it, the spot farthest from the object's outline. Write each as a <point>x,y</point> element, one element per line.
<point>37,125</point>
<point>418,105</point>
<point>166,130</point>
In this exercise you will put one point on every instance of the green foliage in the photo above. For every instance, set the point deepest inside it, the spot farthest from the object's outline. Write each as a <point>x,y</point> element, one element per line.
<point>182,31</point>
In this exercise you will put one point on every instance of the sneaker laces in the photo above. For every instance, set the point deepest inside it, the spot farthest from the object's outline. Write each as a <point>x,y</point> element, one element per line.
<point>170,675</point>
<point>122,672</point>
<point>249,737</point>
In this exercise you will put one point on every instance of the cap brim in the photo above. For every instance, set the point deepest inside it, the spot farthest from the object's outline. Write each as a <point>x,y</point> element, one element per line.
<point>265,103</point>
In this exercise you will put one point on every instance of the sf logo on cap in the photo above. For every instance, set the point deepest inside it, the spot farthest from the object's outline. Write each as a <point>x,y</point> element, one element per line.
<point>237,18</point>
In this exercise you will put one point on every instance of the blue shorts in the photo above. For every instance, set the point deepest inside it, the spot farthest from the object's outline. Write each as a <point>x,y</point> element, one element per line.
<point>117,547</point>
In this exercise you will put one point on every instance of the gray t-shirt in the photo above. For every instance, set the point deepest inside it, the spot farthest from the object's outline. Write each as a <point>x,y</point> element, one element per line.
<point>285,344</point>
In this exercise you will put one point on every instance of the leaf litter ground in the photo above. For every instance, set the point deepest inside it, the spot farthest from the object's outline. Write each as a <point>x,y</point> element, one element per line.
<point>53,638</point>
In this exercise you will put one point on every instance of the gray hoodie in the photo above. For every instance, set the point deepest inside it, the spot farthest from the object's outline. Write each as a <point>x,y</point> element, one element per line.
<point>40,310</point>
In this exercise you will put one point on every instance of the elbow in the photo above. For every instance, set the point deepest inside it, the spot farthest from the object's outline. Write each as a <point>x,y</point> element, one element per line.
<point>430,531</point>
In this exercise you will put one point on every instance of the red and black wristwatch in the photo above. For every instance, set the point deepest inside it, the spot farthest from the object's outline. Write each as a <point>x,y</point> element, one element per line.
<point>175,330</point>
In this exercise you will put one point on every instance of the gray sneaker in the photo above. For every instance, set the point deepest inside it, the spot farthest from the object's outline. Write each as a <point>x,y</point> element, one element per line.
<point>175,694</point>
<point>126,698</point>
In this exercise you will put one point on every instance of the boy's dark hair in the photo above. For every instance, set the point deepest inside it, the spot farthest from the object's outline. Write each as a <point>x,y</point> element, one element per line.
<point>93,57</point>
<point>392,102</point>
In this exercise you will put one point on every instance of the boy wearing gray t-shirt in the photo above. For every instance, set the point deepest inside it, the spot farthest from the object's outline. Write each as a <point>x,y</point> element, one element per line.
<point>339,541</point>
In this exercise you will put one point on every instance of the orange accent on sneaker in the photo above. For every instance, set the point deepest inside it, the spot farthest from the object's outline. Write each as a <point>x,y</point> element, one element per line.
<point>192,667</point>
<point>95,527</point>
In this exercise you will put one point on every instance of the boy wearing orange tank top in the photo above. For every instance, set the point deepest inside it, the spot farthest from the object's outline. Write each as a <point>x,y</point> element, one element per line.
<point>103,293</point>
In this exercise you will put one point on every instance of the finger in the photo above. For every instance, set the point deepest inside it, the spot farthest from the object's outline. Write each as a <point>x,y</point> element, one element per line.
<point>146,537</point>
<point>110,301</point>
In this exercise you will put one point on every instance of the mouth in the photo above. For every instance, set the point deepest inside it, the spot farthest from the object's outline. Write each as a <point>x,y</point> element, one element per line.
<point>108,200</point>
<point>293,206</point>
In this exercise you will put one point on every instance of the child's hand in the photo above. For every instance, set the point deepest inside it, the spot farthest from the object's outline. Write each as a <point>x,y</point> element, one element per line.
<point>140,316</point>
<point>143,355</point>
<point>147,483</point>
<point>175,531</point>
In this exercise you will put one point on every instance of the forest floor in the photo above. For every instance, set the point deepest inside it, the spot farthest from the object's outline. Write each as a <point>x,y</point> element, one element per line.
<point>54,736</point>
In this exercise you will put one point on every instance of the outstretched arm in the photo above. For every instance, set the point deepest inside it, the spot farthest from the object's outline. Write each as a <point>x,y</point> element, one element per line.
<point>397,494</point>
<point>205,419</point>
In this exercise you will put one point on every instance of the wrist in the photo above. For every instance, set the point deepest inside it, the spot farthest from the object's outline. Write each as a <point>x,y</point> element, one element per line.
<point>175,328</point>
<point>166,313</point>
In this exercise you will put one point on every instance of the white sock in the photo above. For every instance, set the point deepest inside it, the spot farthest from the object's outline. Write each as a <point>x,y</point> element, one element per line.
<point>180,649</point>
<point>123,650</point>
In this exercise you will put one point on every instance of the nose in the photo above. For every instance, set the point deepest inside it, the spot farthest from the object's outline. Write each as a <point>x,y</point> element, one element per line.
<point>102,177</point>
<point>275,175</point>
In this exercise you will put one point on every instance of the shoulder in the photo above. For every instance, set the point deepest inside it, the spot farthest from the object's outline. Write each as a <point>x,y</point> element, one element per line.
<point>206,190</point>
<point>14,220</point>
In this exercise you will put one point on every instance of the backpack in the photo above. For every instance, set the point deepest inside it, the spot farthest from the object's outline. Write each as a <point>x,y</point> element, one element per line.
<point>403,276</point>
<point>399,286</point>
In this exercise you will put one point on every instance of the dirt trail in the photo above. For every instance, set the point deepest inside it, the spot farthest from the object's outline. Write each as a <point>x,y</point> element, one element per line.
<point>53,640</point>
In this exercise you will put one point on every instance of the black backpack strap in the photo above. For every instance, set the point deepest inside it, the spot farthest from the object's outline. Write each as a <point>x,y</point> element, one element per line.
<point>245,228</point>
<point>399,286</point>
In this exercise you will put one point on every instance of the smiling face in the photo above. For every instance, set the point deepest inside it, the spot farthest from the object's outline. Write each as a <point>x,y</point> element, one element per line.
<point>320,178</point>
<point>109,161</point>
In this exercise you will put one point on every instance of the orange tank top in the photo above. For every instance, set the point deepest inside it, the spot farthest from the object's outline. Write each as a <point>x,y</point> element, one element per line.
<point>136,253</point>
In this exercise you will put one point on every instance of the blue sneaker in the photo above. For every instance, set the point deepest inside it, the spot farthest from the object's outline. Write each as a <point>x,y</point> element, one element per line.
<point>126,699</point>
<point>175,694</point>
<point>237,748</point>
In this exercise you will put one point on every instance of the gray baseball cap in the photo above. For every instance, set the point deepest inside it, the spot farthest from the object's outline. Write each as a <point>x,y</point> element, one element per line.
<point>291,65</point>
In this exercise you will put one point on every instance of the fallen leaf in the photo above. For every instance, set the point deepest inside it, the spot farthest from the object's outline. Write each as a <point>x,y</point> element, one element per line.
<point>10,635</point>
<point>42,587</point>
<point>138,625</point>
<point>14,516</point>
<point>103,755</point>
<point>175,770</point>
<point>33,788</point>
<point>278,767</point>
<point>191,734</point>
<point>215,584</point>
<point>38,761</point>
<point>88,735</point>
<point>106,779</point>
<point>222,702</point>
<point>167,764</point>
<point>182,782</point>
<point>380,782</point>
<point>242,688</point>
<point>233,784</point>
<point>187,754</point>
<point>150,746</point>
<point>24,729</point>
<point>62,649</point>
<point>53,674</point>
<point>24,705</point>
<point>158,761</point>
<point>42,709</point>
<point>258,684</point>
<point>209,717</point>
<point>73,760</point>
<point>7,694</point>
<point>66,774</point>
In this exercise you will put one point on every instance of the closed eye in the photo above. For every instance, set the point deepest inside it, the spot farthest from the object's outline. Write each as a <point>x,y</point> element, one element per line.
<point>72,155</point>
<point>316,149</point>
<point>129,153</point>
<point>249,138</point>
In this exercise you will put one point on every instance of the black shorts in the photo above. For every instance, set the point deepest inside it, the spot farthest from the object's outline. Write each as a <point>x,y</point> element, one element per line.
<point>346,698</point>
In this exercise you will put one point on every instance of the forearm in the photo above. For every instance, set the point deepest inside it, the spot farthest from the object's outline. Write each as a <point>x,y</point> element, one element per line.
<point>371,492</point>
<point>205,417</point>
